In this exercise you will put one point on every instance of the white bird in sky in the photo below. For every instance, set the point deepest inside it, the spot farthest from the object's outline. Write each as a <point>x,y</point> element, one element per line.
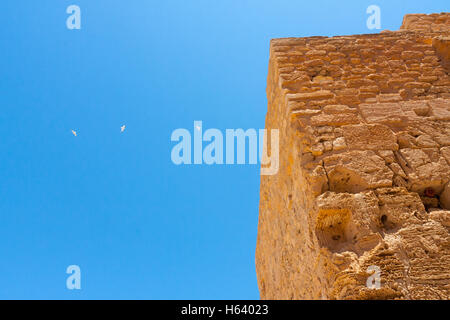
<point>74,133</point>
<point>122,128</point>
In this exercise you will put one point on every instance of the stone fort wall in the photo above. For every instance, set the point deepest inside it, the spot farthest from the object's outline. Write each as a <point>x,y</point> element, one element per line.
<point>364,124</point>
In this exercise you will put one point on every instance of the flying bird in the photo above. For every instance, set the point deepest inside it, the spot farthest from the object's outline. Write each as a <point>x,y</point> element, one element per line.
<point>122,128</point>
<point>74,133</point>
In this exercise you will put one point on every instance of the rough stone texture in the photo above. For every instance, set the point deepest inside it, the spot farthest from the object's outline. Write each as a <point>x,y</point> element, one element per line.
<point>364,125</point>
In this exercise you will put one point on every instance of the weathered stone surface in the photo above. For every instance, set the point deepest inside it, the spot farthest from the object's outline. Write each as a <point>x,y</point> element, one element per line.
<point>348,221</point>
<point>425,169</point>
<point>356,171</point>
<point>445,151</point>
<point>440,109</point>
<point>389,113</point>
<point>370,137</point>
<point>364,177</point>
<point>334,119</point>
<point>317,95</point>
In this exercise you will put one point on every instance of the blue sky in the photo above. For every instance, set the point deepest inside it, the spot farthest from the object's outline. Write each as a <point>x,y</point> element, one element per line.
<point>113,203</point>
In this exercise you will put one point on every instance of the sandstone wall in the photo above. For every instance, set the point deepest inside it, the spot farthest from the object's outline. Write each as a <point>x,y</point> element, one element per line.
<point>364,174</point>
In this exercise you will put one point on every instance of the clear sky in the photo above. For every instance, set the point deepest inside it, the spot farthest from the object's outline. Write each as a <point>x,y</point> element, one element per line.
<point>113,202</point>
